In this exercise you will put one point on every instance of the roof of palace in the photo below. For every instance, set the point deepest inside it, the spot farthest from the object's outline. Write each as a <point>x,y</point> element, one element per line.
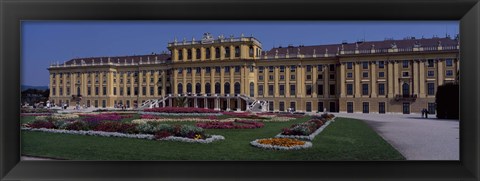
<point>305,50</point>
<point>364,45</point>
<point>122,59</point>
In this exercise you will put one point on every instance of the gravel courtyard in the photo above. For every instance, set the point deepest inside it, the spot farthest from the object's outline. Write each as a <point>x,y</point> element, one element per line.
<point>414,137</point>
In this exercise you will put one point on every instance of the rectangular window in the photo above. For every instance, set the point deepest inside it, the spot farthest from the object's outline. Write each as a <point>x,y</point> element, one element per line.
<point>207,70</point>
<point>89,91</point>
<point>121,91</point>
<point>270,69</point>
<point>198,70</point>
<point>282,68</point>
<point>366,107</point>
<point>309,77</point>
<point>292,68</point>
<point>431,108</point>
<point>104,91</point>
<point>68,90</point>
<point>365,89</point>
<point>292,89</point>
<point>260,77</point>
<point>431,88</point>
<point>237,69</point>
<point>381,89</point>
<point>320,89</point>
<point>104,103</point>
<point>281,106</point>
<point>332,76</point>
<point>349,107</point>
<point>96,91</point>
<point>449,62</point>
<point>405,74</point>
<point>293,106</point>
<point>332,67</point>
<point>61,91</point>
<point>319,67</point>
<point>405,64</point>
<point>381,74</point>
<point>320,106</point>
<point>227,69</point>
<point>53,91</point>
<point>217,69</point>
<point>449,73</point>
<point>349,89</point>
<point>349,74</point>
<point>282,77</point>
<point>260,69</point>
<point>144,91</point>
<point>180,70</point>
<point>381,64</point>
<point>349,65</point>
<point>292,77</point>
<point>270,90</point>
<point>309,68</point>
<point>431,73</point>
<point>332,89</point>
<point>271,106</point>
<point>320,76</point>
<point>308,90</point>
<point>430,63</point>
<point>260,90</point>
<point>270,77</point>
<point>381,107</point>
<point>281,90</point>
<point>135,91</point>
<point>152,91</point>
<point>365,74</point>
<point>365,65</point>
<point>308,106</point>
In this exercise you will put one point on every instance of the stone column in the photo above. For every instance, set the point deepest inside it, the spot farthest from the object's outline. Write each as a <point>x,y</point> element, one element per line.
<point>164,83</point>
<point>287,80</point>
<point>174,83</point>
<point>342,79</point>
<point>222,80</point>
<point>212,80</point>
<point>266,74</point>
<point>415,75</point>
<point>148,84</point>
<point>228,104</point>
<point>202,81</point>
<point>373,80</point>
<point>395,79</point>
<point>357,79</point>
<point>232,81</point>
<point>299,81</point>
<point>155,79</point>
<point>390,78</point>
<point>194,82</point>
<point>440,72</point>
<point>184,79</point>
<point>314,81</point>
<point>195,102</point>
<point>205,103</point>
<point>140,85</point>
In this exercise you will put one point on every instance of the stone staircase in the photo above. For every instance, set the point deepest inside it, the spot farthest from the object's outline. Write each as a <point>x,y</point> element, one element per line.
<point>151,103</point>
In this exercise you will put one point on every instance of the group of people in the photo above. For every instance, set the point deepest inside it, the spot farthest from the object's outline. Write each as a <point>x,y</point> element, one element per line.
<point>425,113</point>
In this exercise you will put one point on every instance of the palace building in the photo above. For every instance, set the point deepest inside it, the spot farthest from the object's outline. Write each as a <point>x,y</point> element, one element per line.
<point>236,74</point>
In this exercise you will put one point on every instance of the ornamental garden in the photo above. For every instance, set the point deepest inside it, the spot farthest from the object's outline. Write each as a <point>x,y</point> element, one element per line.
<point>177,133</point>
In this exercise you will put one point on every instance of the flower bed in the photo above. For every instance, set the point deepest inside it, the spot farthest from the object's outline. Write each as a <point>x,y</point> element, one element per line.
<point>56,117</point>
<point>105,117</point>
<point>307,130</point>
<point>180,110</point>
<point>36,110</point>
<point>237,124</point>
<point>279,119</point>
<point>281,144</point>
<point>245,115</point>
<point>179,114</point>
<point>149,130</point>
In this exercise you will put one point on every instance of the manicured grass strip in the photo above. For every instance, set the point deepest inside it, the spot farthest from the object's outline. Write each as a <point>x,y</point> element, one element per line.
<point>344,139</point>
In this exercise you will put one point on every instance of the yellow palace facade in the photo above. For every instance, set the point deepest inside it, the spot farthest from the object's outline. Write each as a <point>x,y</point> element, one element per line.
<point>236,74</point>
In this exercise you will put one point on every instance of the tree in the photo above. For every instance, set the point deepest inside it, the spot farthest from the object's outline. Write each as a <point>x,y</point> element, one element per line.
<point>447,101</point>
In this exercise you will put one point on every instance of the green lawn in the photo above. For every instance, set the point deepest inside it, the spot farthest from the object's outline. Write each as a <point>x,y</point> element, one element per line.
<point>344,139</point>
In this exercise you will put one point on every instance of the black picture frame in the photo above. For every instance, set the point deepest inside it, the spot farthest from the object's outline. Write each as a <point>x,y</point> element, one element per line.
<point>13,12</point>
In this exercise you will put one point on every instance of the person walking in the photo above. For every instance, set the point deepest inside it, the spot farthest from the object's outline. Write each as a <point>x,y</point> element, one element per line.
<point>426,113</point>
<point>423,113</point>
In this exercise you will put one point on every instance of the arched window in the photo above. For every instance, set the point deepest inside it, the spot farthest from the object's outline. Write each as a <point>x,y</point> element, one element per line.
<point>180,88</point>
<point>252,94</point>
<point>227,52</point>
<point>405,89</point>
<point>217,88</point>
<point>189,88</point>
<point>237,88</point>
<point>189,54</point>
<point>237,51</point>
<point>207,53</point>
<point>198,88</point>
<point>208,89</point>
<point>226,88</point>
<point>78,90</point>
<point>250,51</point>
<point>180,54</point>
<point>217,52</point>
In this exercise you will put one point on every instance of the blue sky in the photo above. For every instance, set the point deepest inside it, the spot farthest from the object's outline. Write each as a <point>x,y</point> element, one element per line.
<point>44,42</point>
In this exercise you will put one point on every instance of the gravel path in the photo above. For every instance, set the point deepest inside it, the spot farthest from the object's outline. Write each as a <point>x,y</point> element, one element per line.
<point>414,137</point>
